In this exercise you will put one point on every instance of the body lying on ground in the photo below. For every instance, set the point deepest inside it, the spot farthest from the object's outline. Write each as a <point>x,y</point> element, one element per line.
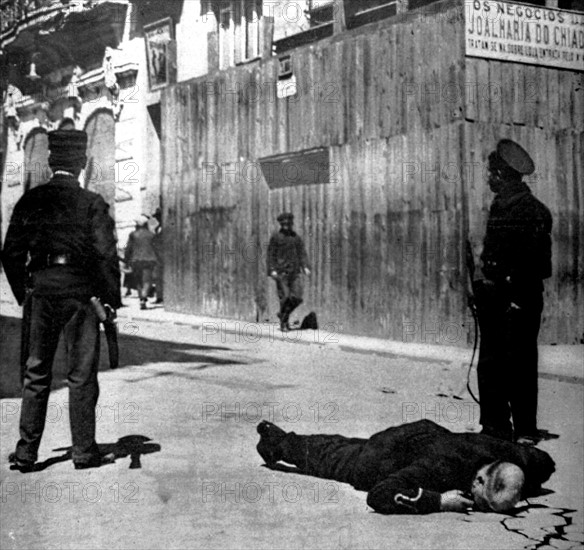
<point>416,468</point>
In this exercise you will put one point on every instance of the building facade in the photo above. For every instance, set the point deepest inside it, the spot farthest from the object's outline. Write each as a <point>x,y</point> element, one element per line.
<point>371,121</point>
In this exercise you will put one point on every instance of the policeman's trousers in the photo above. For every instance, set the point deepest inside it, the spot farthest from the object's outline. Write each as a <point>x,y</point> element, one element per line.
<point>76,319</point>
<point>507,367</point>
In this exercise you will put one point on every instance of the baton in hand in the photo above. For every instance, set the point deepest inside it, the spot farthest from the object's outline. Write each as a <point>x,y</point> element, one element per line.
<point>106,315</point>
<point>25,333</point>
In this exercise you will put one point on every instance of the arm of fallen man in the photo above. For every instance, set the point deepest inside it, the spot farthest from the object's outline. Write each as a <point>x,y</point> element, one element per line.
<point>404,492</point>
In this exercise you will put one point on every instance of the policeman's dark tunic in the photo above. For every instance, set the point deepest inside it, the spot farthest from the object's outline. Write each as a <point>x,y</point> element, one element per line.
<point>406,468</point>
<point>287,257</point>
<point>516,257</point>
<point>70,238</point>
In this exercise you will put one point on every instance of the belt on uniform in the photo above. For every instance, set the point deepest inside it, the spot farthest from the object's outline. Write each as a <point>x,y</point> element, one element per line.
<point>59,259</point>
<point>42,262</point>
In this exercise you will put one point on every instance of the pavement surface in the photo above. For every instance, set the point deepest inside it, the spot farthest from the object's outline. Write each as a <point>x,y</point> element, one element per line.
<point>180,416</point>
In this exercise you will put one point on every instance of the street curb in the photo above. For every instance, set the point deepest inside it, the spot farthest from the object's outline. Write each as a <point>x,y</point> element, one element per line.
<point>563,363</point>
<point>560,363</point>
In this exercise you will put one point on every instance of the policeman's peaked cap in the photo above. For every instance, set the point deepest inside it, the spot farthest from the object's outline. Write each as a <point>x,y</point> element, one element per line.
<point>67,149</point>
<point>515,156</point>
<point>285,216</point>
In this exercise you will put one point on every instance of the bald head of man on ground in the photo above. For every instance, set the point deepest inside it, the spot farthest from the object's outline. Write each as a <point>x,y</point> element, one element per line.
<point>416,468</point>
<point>496,487</point>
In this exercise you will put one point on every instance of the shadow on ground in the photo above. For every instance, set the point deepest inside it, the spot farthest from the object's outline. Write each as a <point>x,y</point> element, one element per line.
<point>134,350</point>
<point>133,446</point>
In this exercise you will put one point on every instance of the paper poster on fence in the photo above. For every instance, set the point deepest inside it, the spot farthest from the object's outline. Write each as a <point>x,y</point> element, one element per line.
<point>158,37</point>
<point>526,34</point>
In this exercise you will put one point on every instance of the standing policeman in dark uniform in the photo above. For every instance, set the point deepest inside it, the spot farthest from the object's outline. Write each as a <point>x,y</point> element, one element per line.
<point>509,297</point>
<point>64,237</point>
<point>287,260</point>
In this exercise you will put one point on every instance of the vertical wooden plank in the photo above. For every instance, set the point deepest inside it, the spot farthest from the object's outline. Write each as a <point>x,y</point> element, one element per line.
<point>254,129</point>
<point>316,135</point>
<point>482,72</point>
<point>269,97</point>
<point>282,109</point>
<point>305,102</point>
<point>402,62</point>
<point>494,90</point>
<point>520,91</point>
<point>577,100</point>
<point>408,70</point>
<point>370,50</point>
<point>532,89</point>
<point>566,111</point>
<point>577,199</point>
<point>541,94</point>
<point>358,99</point>
<point>470,93</point>
<point>324,58</point>
<point>387,100</point>
<point>349,86</point>
<point>183,155</point>
<point>338,90</point>
<point>294,103</point>
<point>192,133</point>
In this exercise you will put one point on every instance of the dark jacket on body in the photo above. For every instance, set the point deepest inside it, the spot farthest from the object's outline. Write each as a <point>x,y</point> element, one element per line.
<point>286,253</point>
<point>141,246</point>
<point>406,468</point>
<point>61,219</point>
<point>518,240</point>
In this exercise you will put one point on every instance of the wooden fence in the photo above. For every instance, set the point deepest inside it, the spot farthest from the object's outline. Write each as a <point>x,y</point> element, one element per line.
<point>543,109</point>
<point>386,234</point>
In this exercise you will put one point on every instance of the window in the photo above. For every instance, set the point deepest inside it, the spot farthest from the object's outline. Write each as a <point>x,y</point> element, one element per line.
<point>576,5</point>
<point>226,38</point>
<point>320,13</point>
<point>250,19</point>
<point>239,31</point>
<point>302,22</point>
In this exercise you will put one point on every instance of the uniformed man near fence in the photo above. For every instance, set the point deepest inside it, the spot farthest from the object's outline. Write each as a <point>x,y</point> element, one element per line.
<point>508,291</point>
<point>287,261</point>
<point>415,468</point>
<point>64,237</point>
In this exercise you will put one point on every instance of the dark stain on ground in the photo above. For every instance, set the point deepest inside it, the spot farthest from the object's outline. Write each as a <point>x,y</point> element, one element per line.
<point>562,378</point>
<point>134,351</point>
<point>557,532</point>
<point>390,355</point>
<point>233,383</point>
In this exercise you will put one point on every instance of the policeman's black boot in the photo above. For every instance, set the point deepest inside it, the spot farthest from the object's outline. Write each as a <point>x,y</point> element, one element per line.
<point>270,438</point>
<point>284,315</point>
<point>23,466</point>
<point>499,433</point>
